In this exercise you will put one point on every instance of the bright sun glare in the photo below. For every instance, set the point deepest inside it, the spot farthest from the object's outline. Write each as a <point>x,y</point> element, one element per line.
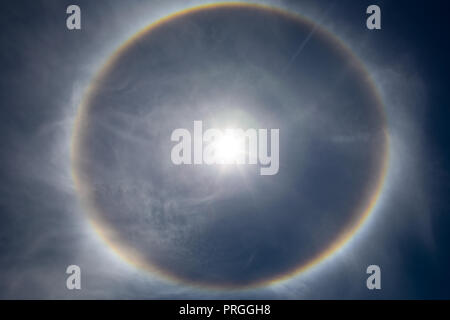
<point>228,148</point>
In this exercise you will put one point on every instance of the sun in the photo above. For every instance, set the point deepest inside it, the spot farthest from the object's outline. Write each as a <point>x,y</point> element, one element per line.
<point>228,149</point>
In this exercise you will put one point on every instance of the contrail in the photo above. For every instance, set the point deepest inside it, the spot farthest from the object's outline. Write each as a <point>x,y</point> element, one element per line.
<point>308,37</point>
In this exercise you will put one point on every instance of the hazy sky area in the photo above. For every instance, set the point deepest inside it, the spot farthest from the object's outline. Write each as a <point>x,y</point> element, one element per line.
<point>141,227</point>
